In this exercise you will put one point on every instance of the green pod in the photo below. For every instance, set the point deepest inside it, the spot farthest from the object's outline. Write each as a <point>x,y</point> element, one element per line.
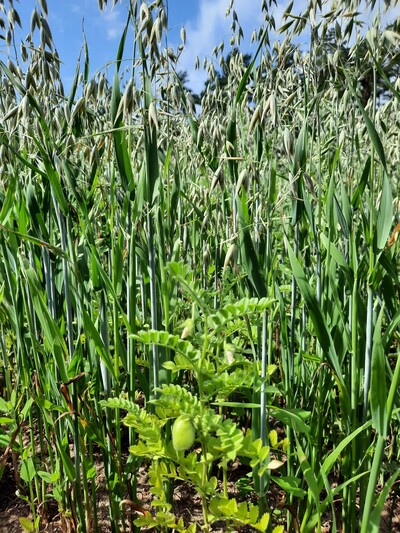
<point>183,433</point>
<point>95,274</point>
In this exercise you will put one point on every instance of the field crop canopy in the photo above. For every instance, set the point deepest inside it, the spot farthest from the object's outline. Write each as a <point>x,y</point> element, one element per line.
<point>199,293</point>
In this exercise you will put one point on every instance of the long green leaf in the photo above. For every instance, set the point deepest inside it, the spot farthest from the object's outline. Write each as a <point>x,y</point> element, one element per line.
<point>373,134</point>
<point>321,329</point>
<point>248,253</point>
<point>378,390</point>
<point>385,215</point>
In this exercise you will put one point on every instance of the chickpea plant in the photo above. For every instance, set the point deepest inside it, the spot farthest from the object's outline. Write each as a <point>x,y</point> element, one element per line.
<point>200,440</point>
<point>189,435</point>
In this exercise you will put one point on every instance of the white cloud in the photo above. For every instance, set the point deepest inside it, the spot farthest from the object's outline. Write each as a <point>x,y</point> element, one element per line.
<point>76,8</point>
<point>210,28</point>
<point>113,21</point>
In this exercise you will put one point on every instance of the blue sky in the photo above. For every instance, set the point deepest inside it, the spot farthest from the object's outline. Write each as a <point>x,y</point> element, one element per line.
<point>204,20</point>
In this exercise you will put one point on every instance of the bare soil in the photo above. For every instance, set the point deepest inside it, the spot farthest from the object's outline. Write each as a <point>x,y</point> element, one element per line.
<point>187,505</point>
